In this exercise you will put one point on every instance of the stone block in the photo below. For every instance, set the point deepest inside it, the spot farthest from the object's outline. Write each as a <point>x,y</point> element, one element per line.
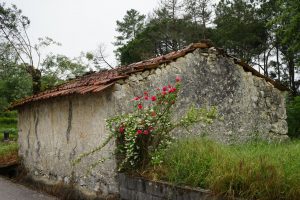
<point>131,183</point>
<point>145,74</point>
<point>141,186</point>
<point>155,188</point>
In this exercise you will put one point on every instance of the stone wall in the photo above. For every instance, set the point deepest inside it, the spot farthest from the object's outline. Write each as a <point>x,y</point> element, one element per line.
<point>248,105</point>
<point>55,131</point>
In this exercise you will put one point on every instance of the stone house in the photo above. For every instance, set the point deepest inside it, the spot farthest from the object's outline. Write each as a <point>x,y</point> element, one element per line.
<point>57,125</point>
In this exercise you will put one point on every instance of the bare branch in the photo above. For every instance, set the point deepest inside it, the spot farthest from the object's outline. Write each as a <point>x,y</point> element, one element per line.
<point>102,56</point>
<point>13,45</point>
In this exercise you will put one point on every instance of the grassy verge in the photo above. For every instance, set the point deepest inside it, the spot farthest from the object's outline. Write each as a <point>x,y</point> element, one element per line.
<point>256,170</point>
<point>8,153</point>
<point>8,150</point>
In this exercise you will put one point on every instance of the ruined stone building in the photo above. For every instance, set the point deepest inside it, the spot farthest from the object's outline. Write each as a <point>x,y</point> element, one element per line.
<point>57,125</point>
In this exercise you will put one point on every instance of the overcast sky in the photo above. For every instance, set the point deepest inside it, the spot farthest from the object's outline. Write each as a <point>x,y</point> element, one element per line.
<point>79,25</point>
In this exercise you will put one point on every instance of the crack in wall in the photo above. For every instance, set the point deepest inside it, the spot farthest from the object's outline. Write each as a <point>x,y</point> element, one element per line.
<point>28,140</point>
<point>36,123</point>
<point>59,154</point>
<point>70,117</point>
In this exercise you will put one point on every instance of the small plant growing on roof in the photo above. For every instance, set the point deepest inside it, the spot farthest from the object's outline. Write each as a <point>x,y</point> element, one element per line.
<point>143,135</point>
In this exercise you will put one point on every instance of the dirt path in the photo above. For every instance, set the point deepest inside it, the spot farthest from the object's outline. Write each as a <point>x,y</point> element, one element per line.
<point>13,191</point>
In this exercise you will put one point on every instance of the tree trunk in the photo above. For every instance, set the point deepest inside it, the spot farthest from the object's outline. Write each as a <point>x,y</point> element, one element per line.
<point>291,67</point>
<point>277,61</point>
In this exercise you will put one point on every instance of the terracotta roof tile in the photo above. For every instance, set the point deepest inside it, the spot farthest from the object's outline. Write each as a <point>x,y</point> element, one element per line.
<point>96,82</point>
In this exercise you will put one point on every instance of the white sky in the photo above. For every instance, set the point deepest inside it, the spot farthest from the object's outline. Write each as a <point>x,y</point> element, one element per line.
<point>80,25</point>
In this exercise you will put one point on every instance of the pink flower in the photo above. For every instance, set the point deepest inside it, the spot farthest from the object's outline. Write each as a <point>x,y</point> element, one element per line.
<point>136,98</point>
<point>153,98</point>
<point>164,88</point>
<point>178,79</point>
<point>139,132</point>
<point>146,132</point>
<point>121,129</point>
<point>140,106</point>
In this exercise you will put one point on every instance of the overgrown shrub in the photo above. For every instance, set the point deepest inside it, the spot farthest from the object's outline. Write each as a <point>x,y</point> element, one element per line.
<point>256,170</point>
<point>293,117</point>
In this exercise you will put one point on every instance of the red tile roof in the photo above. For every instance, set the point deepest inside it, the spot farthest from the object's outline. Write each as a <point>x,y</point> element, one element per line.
<point>96,82</point>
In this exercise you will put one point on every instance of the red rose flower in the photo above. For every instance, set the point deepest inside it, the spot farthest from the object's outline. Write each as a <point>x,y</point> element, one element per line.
<point>146,98</point>
<point>153,98</point>
<point>121,129</point>
<point>140,106</point>
<point>146,132</point>
<point>164,93</point>
<point>139,132</point>
<point>164,88</point>
<point>173,89</point>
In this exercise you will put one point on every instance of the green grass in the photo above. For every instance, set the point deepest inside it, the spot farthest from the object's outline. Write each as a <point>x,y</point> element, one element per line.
<point>8,153</point>
<point>8,150</point>
<point>256,170</point>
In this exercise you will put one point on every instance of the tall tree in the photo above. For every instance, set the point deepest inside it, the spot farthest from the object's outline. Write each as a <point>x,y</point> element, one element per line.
<point>199,11</point>
<point>15,83</point>
<point>287,23</point>
<point>130,26</point>
<point>13,27</point>
<point>160,37</point>
<point>13,31</point>
<point>173,8</point>
<point>239,29</point>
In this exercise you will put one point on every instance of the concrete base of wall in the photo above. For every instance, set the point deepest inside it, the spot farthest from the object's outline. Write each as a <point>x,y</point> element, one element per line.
<point>142,189</point>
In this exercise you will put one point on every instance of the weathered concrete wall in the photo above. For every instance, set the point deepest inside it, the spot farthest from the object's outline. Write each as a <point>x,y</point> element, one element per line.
<point>52,133</point>
<point>55,131</point>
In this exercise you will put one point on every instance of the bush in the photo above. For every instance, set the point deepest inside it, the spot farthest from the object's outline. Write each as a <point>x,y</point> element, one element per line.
<point>11,114</point>
<point>256,170</point>
<point>293,117</point>
<point>8,152</point>
<point>8,120</point>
